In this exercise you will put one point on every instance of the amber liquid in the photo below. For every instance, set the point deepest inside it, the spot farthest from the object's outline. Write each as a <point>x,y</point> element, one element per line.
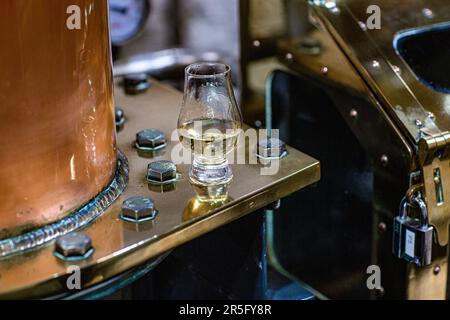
<point>210,140</point>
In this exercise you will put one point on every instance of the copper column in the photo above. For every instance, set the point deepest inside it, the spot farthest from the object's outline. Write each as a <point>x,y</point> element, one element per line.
<point>57,130</point>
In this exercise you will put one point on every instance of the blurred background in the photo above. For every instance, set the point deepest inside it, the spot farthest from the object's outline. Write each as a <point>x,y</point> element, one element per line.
<point>170,34</point>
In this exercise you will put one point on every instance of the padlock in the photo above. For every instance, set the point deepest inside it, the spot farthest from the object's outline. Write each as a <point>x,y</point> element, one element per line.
<point>399,229</point>
<point>413,238</point>
<point>418,237</point>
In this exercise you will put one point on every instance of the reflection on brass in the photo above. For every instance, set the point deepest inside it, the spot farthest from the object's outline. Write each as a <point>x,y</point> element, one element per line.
<point>197,208</point>
<point>214,193</point>
<point>57,137</point>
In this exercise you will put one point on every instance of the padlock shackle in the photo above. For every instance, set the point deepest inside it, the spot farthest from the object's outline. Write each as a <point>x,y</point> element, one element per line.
<point>420,203</point>
<point>404,208</point>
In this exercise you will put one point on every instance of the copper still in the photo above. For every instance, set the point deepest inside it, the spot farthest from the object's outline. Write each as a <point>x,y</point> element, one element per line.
<point>57,135</point>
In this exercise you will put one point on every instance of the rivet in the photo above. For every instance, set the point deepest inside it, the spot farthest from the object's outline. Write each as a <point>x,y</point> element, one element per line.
<point>436,270</point>
<point>428,13</point>
<point>384,160</point>
<point>362,25</point>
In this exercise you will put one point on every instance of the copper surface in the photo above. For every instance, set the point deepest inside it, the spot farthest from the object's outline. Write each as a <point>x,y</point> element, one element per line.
<point>121,246</point>
<point>57,131</point>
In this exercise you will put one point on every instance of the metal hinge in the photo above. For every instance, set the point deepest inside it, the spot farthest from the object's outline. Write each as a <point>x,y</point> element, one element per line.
<point>434,158</point>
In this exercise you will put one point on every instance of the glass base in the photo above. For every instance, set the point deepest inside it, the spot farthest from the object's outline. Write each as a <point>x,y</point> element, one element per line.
<point>211,182</point>
<point>213,193</point>
<point>210,174</point>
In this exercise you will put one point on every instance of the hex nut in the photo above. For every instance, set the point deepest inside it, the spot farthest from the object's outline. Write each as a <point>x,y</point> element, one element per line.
<point>138,209</point>
<point>161,172</point>
<point>73,246</point>
<point>136,83</point>
<point>120,118</point>
<point>150,140</point>
<point>272,149</point>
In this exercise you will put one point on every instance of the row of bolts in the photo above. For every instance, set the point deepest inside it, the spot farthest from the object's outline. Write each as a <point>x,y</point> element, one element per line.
<point>77,246</point>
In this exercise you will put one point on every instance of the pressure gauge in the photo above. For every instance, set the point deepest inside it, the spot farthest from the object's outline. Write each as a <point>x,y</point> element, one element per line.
<point>127,19</point>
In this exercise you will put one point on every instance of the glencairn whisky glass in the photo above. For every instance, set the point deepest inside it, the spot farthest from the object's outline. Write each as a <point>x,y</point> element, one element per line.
<point>210,123</point>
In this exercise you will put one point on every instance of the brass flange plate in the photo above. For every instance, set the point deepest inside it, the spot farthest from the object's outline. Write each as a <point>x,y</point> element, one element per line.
<point>120,246</point>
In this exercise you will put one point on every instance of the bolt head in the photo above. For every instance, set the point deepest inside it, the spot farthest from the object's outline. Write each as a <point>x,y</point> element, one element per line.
<point>161,172</point>
<point>150,140</point>
<point>120,118</point>
<point>289,56</point>
<point>73,246</point>
<point>324,70</point>
<point>120,114</point>
<point>382,227</point>
<point>138,209</point>
<point>272,149</point>
<point>136,83</point>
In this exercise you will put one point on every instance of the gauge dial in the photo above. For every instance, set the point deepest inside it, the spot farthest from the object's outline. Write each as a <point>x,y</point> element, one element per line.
<point>127,18</point>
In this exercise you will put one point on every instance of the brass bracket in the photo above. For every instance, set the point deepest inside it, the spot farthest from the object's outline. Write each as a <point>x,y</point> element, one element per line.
<point>434,158</point>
